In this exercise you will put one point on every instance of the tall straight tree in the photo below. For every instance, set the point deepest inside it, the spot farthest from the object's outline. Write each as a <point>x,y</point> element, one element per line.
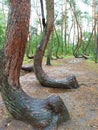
<point>43,114</point>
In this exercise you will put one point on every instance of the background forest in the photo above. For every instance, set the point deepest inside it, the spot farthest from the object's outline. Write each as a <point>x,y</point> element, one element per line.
<point>75,31</point>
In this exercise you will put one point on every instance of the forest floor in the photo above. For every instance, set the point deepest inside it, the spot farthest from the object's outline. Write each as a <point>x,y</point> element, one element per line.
<point>82,103</point>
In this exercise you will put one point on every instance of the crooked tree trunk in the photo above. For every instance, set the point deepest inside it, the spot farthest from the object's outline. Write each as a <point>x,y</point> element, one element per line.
<point>43,114</point>
<point>44,79</point>
<point>79,31</point>
<point>28,68</point>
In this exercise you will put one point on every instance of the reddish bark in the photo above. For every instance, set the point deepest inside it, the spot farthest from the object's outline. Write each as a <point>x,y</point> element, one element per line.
<point>16,37</point>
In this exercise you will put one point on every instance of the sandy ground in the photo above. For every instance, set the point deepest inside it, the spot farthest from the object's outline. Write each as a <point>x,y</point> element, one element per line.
<point>82,103</point>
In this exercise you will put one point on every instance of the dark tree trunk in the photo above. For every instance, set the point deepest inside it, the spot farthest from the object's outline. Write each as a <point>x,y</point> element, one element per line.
<point>49,51</point>
<point>48,62</point>
<point>42,114</point>
<point>57,50</point>
<point>43,16</point>
<point>44,79</point>
<point>96,53</point>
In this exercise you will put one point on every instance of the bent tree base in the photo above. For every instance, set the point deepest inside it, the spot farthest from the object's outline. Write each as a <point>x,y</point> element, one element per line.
<point>40,113</point>
<point>69,82</point>
<point>43,114</point>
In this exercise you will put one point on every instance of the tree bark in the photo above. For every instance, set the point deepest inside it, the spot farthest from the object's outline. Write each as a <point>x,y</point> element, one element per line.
<point>43,114</point>
<point>43,16</point>
<point>29,68</point>
<point>44,79</point>
<point>49,49</point>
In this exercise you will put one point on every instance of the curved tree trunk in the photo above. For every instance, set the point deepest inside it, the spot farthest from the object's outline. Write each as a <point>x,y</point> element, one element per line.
<point>42,114</point>
<point>28,68</point>
<point>79,32</point>
<point>44,79</point>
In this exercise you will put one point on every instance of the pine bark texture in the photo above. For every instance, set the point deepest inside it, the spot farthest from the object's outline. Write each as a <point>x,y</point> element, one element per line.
<point>43,114</point>
<point>16,37</point>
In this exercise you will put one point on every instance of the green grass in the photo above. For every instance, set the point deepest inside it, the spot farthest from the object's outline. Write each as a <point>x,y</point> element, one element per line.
<point>68,56</point>
<point>92,65</point>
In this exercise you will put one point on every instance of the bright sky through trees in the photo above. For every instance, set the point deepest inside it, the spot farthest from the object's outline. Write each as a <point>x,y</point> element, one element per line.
<point>35,8</point>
